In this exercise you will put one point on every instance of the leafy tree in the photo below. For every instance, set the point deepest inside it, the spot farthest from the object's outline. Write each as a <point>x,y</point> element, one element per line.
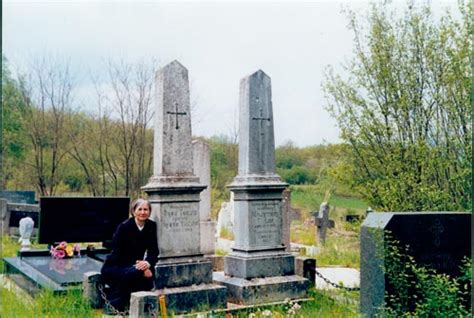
<point>405,108</point>
<point>13,131</point>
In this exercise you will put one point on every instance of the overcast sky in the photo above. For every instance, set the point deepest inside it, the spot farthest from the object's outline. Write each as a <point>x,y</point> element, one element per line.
<point>218,42</point>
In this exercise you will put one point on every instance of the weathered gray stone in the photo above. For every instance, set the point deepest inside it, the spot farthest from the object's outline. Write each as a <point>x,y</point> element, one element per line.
<point>183,274</point>
<point>12,213</point>
<point>436,240</point>
<point>261,264</point>
<point>286,218</point>
<point>256,139</point>
<point>174,192</point>
<point>173,153</point>
<point>262,290</point>
<point>225,218</point>
<point>144,304</point>
<point>178,300</point>
<point>322,222</point>
<point>90,289</point>
<point>208,237</point>
<point>259,250</point>
<point>202,169</point>
<point>26,230</point>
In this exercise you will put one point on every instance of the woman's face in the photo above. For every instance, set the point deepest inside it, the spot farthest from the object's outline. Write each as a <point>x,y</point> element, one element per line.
<point>142,212</point>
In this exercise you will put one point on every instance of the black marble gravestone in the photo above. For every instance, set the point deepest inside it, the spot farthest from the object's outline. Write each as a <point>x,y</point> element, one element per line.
<point>436,240</point>
<point>90,219</point>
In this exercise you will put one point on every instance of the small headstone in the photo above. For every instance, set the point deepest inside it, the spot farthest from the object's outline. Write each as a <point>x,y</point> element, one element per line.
<point>90,289</point>
<point>26,229</point>
<point>322,222</point>
<point>225,218</point>
<point>437,240</point>
<point>24,197</point>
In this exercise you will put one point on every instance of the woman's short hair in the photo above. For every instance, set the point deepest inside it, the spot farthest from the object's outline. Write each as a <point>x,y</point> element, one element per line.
<point>137,203</point>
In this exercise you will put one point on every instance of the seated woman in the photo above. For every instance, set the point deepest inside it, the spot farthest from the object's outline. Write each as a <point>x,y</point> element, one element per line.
<point>131,264</point>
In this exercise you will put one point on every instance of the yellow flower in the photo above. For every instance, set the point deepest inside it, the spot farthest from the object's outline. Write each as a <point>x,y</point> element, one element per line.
<point>69,251</point>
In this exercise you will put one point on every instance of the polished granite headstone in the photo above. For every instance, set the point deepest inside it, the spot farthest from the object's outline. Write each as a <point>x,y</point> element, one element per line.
<point>72,220</point>
<point>174,193</point>
<point>259,269</point>
<point>437,240</point>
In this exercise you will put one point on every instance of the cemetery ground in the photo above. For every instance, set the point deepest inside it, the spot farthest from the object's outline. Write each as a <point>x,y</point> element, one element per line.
<point>341,249</point>
<point>14,302</point>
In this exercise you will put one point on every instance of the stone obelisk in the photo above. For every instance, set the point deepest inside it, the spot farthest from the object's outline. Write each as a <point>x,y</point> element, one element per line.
<point>173,191</point>
<point>258,269</point>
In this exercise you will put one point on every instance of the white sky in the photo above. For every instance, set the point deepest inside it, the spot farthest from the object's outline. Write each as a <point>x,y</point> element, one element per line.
<point>219,43</point>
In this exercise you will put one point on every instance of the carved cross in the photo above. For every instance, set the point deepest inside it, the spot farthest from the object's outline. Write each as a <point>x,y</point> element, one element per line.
<point>437,228</point>
<point>177,113</point>
<point>261,118</point>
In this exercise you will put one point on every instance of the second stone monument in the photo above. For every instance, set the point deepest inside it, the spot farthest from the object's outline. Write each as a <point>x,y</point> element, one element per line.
<point>259,269</point>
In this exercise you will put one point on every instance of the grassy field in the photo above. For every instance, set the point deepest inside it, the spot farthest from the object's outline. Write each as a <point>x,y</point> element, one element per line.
<point>342,243</point>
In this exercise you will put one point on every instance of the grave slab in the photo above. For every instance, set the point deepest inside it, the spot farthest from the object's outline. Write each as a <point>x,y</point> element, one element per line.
<point>58,275</point>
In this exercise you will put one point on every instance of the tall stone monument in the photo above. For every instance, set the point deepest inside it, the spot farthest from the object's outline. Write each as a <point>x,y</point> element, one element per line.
<point>258,269</point>
<point>173,191</point>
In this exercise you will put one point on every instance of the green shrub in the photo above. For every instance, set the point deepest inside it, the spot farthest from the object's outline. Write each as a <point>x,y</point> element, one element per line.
<point>416,291</point>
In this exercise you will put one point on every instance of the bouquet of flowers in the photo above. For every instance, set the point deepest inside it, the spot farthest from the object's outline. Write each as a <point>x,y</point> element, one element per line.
<point>63,250</point>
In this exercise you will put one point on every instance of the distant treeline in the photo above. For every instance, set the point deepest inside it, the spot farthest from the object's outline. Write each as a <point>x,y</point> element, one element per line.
<point>53,149</point>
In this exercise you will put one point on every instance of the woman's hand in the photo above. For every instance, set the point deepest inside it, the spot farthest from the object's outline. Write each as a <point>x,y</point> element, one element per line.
<point>142,265</point>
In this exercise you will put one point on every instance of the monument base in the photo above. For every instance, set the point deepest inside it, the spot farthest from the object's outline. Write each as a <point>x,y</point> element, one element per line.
<point>178,300</point>
<point>184,273</point>
<point>255,265</point>
<point>262,290</point>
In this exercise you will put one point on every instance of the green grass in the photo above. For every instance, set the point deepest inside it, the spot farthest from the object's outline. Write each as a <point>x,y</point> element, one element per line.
<point>302,234</point>
<point>342,243</point>
<point>309,197</point>
<point>45,304</point>
<point>341,251</point>
<point>321,305</point>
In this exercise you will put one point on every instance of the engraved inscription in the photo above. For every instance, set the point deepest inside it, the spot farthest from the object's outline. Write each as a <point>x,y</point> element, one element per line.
<point>266,227</point>
<point>180,218</point>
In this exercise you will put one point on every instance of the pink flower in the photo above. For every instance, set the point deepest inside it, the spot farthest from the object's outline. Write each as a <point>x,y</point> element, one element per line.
<point>60,254</point>
<point>63,244</point>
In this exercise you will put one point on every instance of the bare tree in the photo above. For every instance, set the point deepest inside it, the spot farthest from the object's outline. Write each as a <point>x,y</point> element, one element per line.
<point>128,136</point>
<point>47,93</point>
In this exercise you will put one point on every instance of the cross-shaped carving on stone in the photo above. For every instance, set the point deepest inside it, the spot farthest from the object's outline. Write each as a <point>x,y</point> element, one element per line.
<point>177,113</point>
<point>437,228</point>
<point>261,118</point>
